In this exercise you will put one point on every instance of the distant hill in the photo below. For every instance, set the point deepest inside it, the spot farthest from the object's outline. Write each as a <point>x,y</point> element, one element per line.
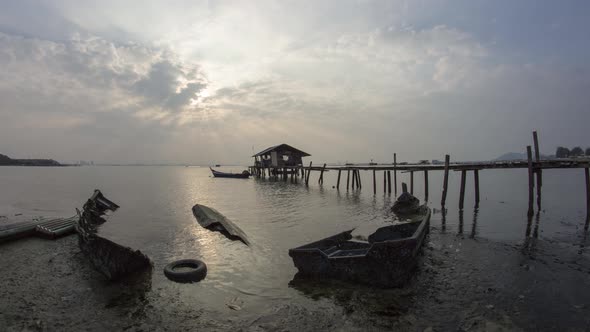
<point>7,161</point>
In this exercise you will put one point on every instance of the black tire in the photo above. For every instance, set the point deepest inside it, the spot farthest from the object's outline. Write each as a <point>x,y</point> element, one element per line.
<point>197,272</point>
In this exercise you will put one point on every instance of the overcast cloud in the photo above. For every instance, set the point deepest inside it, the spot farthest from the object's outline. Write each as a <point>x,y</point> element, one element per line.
<point>210,81</point>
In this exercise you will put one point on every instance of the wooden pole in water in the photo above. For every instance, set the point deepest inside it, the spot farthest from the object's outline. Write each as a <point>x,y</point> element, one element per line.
<point>338,182</point>
<point>374,183</point>
<point>321,179</point>
<point>412,182</point>
<point>389,182</point>
<point>384,182</point>
<point>587,175</point>
<point>394,175</point>
<point>358,179</point>
<point>426,185</point>
<point>462,193</point>
<point>539,171</point>
<point>347,179</point>
<point>531,179</point>
<point>307,176</point>
<point>445,181</point>
<point>476,180</point>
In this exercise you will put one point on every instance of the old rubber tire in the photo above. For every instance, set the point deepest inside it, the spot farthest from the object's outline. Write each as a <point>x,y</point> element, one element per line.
<point>194,270</point>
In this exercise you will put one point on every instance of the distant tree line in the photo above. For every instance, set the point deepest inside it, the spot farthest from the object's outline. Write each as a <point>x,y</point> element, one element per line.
<point>563,152</point>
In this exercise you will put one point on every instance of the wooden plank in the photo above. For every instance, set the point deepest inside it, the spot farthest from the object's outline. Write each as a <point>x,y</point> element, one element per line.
<point>462,193</point>
<point>338,182</point>
<point>531,179</point>
<point>476,180</point>
<point>445,180</point>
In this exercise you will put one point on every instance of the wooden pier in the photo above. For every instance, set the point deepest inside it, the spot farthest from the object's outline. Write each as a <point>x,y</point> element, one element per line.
<point>534,166</point>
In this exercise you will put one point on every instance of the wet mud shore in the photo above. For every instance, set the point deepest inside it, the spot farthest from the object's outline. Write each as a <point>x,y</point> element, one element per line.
<point>462,284</point>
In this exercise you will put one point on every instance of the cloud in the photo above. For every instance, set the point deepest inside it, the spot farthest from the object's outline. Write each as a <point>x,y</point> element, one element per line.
<point>172,81</point>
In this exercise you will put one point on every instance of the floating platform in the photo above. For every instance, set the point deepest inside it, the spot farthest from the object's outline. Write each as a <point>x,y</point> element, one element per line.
<point>48,229</point>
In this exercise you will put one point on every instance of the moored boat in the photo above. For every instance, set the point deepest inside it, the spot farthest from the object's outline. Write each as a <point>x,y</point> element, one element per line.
<point>217,174</point>
<point>385,258</point>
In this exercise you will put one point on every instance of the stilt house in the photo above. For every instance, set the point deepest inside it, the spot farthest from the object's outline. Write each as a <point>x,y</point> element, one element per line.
<point>278,156</point>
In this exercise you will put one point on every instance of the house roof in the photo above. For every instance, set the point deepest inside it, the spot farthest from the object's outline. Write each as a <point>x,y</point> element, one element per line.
<point>281,147</point>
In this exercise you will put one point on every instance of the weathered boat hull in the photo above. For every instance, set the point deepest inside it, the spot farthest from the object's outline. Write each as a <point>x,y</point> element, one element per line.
<point>113,260</point>
<point>213,220</point>
<point>109,258</point>
<point>387,263</point>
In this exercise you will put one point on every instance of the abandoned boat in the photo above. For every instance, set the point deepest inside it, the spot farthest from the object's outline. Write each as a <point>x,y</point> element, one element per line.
<point>384,258</point>
<point>109,258</point>
<point>214,221</point>
<point>217,174</point>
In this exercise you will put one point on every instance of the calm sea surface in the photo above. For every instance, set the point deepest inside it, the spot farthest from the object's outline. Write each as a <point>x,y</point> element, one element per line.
<point>156,217</point>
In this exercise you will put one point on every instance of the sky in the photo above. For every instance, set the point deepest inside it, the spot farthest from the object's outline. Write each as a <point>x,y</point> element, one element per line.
<point>208,82</point>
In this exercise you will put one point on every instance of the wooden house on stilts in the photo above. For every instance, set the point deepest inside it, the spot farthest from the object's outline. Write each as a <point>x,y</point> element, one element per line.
<point>279,161</point>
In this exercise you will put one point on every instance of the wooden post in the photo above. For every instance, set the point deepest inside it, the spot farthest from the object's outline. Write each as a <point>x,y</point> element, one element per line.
<point>587,175</point>
<point>321,179</point>
<point>358,179</point>
<point>347,179</point>
<point>462,193</point>
<point>426,185</point>
<point>531,179</point>
<point>285,174</point>
<point>476,180</point>
<point>394,175</point>
<point>461,221</point>
<point>374,183</point>
<point>412,182</point>
<point>338,182</point>
<point>404,187</point>
<point>539,171</point>
<point>389,182</point>
<point>445,181</point>
<point>384,181</point>
<point>307,177</point>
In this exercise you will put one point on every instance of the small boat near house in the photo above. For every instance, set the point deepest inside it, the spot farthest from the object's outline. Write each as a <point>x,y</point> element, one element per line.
<point>383,256</point>
<point>217,174</point>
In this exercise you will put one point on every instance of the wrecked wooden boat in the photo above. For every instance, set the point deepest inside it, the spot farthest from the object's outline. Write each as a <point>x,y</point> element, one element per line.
<point>213,220</point>
<point>217,174</point>
<point>385,257</point>
<point>109,258</point>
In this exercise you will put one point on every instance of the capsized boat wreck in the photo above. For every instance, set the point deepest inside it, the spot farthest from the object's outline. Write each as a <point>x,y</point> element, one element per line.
<point>214,221</point>
<point>109,258</point>
<point>384,255</point>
